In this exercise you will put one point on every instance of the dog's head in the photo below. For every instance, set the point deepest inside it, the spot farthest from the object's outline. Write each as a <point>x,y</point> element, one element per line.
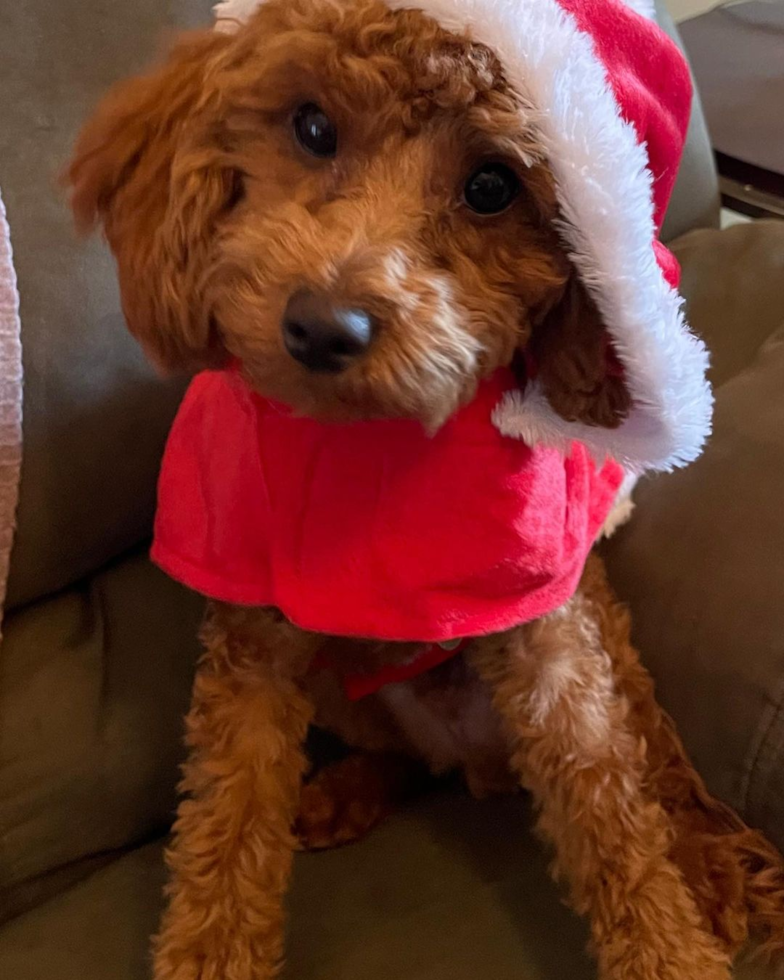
<point>353,203</point>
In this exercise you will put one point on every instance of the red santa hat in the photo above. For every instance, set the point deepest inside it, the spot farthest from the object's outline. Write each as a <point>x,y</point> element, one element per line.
<point>613,96</point>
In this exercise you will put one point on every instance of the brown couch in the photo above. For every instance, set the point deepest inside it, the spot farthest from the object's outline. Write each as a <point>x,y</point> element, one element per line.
<point>99,647</point>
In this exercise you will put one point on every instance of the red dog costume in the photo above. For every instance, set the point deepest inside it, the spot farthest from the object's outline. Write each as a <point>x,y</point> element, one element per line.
<point>374,529</point>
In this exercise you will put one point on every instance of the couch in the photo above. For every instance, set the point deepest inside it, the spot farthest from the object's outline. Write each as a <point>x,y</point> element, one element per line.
<point>99,647</point>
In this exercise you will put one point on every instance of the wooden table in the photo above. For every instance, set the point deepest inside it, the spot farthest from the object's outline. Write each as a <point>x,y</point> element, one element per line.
<point>737,54</point>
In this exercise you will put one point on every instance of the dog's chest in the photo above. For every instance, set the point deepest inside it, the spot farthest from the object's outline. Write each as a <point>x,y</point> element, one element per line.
<point>448,719</point>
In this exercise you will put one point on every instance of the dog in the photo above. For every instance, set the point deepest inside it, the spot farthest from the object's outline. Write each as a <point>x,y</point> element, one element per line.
<point>337,203</point>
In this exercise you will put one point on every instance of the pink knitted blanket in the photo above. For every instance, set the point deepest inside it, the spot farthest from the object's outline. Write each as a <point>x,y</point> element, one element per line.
<point>10,399</point>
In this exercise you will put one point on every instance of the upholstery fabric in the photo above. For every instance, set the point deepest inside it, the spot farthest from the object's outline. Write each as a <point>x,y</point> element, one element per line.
<point>702,562</point>
<point>93,686</point>
<point>451,889</point>
<point>95,418</point>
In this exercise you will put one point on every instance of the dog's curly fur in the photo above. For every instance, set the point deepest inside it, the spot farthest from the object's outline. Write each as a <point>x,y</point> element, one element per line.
<point>217,217</point>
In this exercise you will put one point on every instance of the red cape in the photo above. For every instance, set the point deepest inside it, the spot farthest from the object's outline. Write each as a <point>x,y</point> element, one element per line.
<point>374,529</point>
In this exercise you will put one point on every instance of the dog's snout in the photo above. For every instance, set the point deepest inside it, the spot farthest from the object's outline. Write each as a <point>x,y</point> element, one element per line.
<point>323,335</point>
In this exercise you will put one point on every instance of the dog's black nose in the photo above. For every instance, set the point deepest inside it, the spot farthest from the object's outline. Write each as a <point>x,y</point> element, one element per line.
<point>324,336</point>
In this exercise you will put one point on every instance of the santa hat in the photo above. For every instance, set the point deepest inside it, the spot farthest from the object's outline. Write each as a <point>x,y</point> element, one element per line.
<point>614,96</point>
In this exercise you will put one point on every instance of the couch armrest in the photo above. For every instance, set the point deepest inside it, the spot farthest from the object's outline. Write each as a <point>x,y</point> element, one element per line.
<point>702,561</point>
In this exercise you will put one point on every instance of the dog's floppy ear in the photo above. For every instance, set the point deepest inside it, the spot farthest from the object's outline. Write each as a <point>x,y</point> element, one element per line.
<point>138,170</point>
<point>574,362</point>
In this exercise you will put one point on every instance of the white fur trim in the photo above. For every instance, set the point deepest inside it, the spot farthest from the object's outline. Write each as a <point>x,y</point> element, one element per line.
<point>645,8</point>
<point>623,507</point>
<point>604,189</point>
<point>229,14</point>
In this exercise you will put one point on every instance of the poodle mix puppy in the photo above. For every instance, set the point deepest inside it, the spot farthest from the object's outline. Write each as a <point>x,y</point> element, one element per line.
<point>350,213</point>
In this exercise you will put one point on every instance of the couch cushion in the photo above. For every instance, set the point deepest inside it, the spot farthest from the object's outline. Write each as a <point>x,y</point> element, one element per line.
<point>733,282</point>
<point>94,420</point>
<point>702,562</point>
<point>93,686</point>
<point>448,889</point>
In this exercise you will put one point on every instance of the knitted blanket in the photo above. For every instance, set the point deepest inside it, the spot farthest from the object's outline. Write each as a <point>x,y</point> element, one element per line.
<point>10,400</point>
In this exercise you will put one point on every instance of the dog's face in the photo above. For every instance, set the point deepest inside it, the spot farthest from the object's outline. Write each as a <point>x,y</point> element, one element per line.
<point>353,203</point>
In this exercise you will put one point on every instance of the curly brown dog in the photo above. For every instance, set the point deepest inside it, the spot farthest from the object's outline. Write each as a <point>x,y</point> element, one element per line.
<point>217,216</point>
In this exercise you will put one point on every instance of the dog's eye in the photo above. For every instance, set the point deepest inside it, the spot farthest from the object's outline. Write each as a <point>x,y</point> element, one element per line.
<point>315,131</point>
<point>491,189</point>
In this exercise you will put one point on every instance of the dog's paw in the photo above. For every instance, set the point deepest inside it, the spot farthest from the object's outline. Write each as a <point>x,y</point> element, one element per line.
<point>343,803</point>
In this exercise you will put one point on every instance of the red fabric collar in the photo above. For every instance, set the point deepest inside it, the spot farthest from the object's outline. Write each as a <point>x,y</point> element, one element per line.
<point>431,655</point>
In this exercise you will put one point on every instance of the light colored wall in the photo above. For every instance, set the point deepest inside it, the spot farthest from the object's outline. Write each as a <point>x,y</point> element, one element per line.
<point>684,9</point>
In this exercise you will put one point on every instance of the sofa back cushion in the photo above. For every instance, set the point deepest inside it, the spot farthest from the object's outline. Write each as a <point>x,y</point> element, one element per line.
<point>95,418</point>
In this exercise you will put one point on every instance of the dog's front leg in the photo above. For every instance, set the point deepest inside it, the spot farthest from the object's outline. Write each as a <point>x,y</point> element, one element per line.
<point>233,843</point>
<point>572,748</point>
